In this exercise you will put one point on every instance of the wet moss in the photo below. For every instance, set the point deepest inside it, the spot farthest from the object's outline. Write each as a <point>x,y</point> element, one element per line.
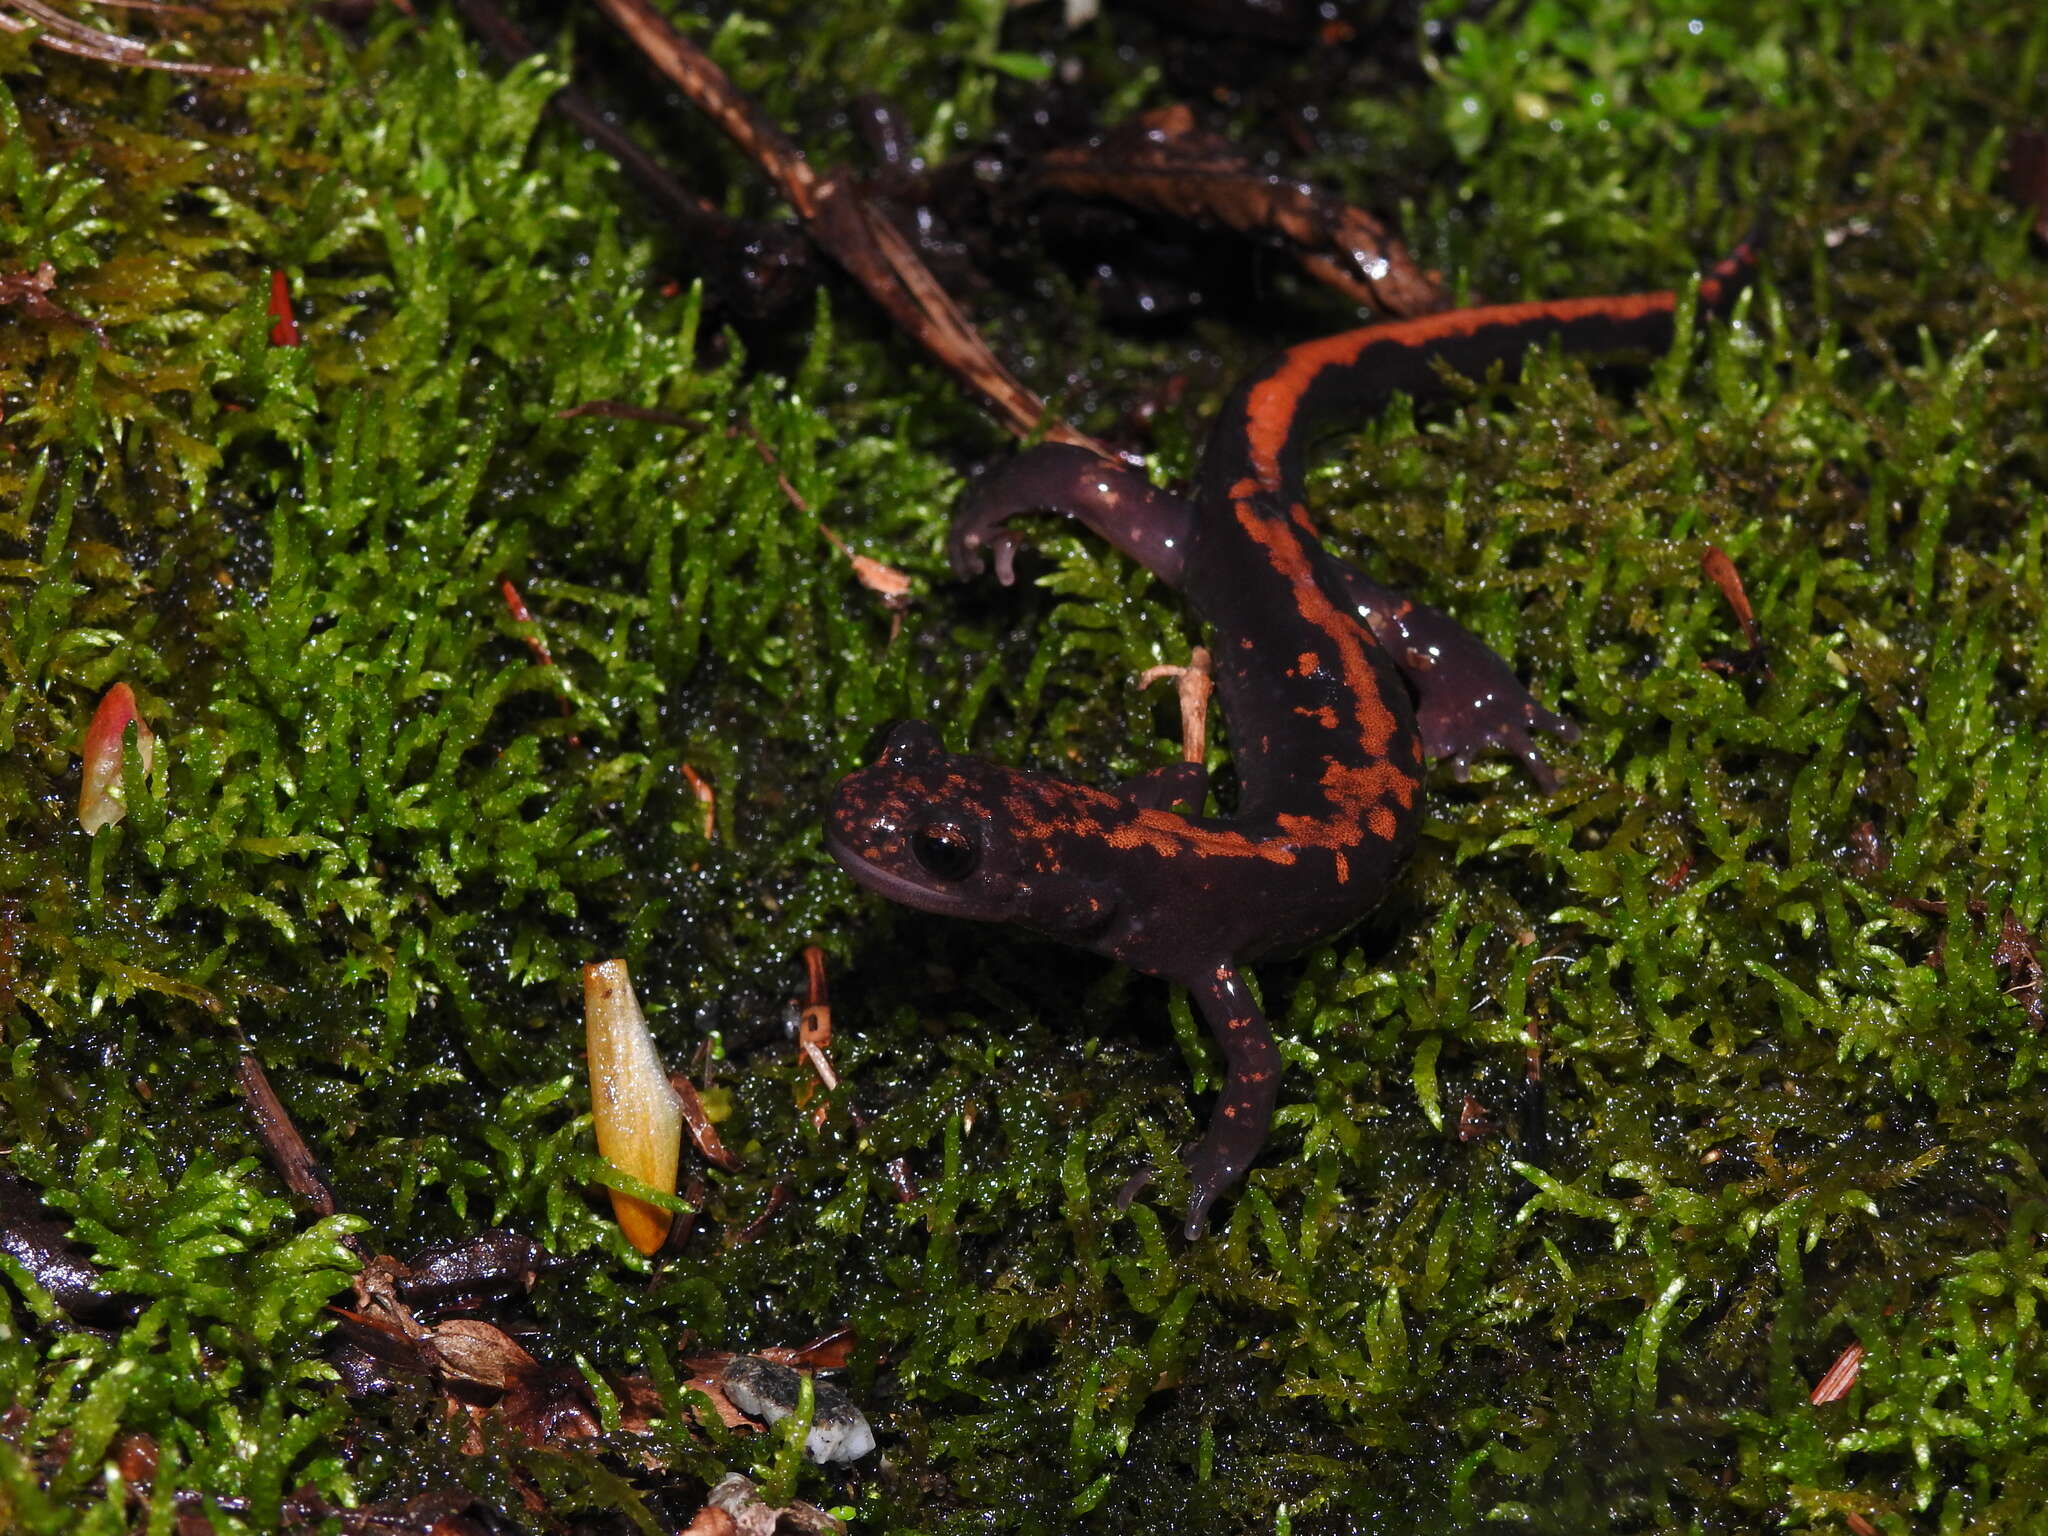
<point>1764,932</point>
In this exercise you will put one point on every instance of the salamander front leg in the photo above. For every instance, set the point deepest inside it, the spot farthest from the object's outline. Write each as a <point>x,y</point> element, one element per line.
<point>1242,1116</point>
<point>1123,507</point>
<point>1466,700</point>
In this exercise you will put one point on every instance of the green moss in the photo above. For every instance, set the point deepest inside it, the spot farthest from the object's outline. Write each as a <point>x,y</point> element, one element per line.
<point>1793,1081</point>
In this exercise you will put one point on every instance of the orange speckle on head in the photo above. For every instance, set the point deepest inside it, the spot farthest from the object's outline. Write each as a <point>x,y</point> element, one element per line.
<point>1343,870</point>
<point>1382,823</point>
<point>1307,664</point>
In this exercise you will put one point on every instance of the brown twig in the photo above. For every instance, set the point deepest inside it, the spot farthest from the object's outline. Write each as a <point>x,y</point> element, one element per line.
<point>67,35</point>
<point>782,483</point>
<point>289,1154</point>
<point>703,1134</point>
<point>778,1196</point>
<point>159,7</point>
<point>845,225</point>
<point>1192,684</point>
<point>1840,1377</point>
<point>767,267</point>
<point>620,410</point>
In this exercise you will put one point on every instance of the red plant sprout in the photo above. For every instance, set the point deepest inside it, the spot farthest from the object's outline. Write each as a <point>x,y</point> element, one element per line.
<point>284,330</point>
<point>102,799</point>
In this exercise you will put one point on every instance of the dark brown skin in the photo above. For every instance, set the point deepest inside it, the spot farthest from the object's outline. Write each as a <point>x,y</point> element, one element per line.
<point>1333,688</point>
<point>38,1240</point>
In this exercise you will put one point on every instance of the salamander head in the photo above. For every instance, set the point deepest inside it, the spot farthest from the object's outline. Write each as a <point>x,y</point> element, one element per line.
<point>937,832</point>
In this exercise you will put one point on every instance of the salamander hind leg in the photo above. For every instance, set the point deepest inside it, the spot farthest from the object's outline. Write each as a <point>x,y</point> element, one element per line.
<point>1123,507</point>
<point>1467,701</point>
<point>1244,1113</point>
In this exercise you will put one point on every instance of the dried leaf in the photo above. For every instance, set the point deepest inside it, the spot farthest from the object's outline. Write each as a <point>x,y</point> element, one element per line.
<point>639,1123</point>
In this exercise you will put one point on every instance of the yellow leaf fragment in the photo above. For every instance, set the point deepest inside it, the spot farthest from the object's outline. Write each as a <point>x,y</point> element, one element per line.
<point>639,1124</point>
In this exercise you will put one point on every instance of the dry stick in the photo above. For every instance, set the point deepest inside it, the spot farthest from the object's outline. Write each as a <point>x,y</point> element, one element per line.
<point>1192,683</point>
<point>294,1160</point>
<point>511,44</point>
<point>67,35</point>
<point>702,222</point>
<point>697,1120</point>
<point>160,7</point>
<point>620,410</point>
<point>842,221</point>
<point>718,98</point>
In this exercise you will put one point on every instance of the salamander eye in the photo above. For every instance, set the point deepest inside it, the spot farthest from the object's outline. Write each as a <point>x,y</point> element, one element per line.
<point>946,850</point>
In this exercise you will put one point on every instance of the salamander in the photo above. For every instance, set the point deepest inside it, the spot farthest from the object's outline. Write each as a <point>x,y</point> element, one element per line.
<point>1333,688</point>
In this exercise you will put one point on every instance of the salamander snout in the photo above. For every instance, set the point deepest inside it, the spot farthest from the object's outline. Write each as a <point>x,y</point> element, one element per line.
<point>916,826</point>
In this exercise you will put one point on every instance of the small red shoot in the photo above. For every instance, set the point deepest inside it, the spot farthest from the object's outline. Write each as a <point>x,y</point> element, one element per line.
<point>284,329</point>
<point>102,799</point>
<point>707,797</point>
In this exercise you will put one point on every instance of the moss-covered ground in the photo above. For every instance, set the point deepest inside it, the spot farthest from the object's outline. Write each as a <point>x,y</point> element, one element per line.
<point>1776,937</point>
